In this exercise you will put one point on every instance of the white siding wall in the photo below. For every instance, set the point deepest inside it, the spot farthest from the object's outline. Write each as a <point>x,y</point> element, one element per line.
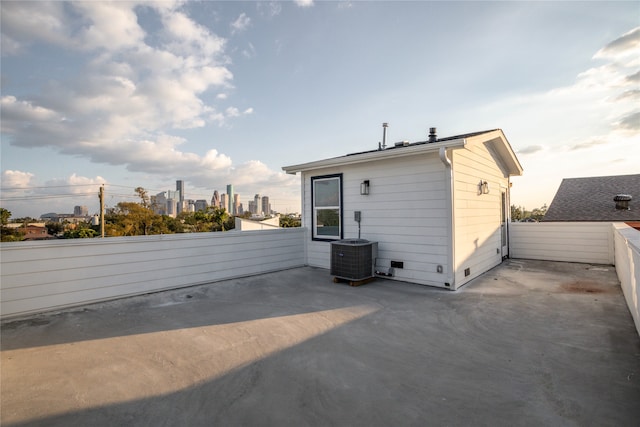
<point>588,242</point>
<point>627,258</point>
<point>477,217</point>
<point>405,213</point>
<point>36,276</point>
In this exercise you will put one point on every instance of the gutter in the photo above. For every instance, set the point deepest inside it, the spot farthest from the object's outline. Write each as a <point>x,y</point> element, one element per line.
<point>389,153</point>
<point>450,279</point>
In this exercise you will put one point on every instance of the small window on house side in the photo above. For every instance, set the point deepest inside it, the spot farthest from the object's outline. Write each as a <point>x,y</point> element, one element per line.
<point>326,195</point>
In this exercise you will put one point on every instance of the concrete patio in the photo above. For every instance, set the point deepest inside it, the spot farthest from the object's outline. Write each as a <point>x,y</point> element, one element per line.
<point>529,343</point>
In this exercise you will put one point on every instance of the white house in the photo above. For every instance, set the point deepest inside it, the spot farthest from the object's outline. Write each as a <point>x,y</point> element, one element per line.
<point>439,209</point>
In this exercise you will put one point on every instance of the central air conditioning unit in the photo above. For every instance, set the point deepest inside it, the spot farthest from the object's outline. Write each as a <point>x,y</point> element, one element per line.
<point>353,259</point>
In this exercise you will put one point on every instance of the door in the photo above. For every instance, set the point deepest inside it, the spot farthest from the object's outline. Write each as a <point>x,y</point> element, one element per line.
<point>504,218</point>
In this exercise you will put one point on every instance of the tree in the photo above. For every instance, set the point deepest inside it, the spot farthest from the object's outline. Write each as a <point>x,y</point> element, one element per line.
<point>132,219</point>
<point>144,197</point>
<point>539,213</point>
<point>4,216</point>
<point>220,219</point>
<point>287,221</point>
<point>517,213</point>
<point>80,233</point>
<point>54,228</point>
<point>8,234</point>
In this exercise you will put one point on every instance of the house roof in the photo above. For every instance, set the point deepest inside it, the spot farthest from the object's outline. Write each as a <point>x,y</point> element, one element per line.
<point>401,149</point>
<point>591,199</point>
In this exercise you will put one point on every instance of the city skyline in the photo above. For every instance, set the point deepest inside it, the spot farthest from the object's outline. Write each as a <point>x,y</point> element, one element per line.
<point>130,94</point>
<point>85,211</point>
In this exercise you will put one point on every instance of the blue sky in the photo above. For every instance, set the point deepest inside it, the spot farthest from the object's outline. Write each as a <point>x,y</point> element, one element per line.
<point>141,94</point>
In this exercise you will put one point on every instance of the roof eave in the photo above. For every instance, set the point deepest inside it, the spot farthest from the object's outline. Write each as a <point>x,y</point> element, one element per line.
<point>508,156</point>
<point>390,153</point>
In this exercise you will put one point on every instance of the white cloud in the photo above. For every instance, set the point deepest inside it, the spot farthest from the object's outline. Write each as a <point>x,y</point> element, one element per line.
<point>24,23</point>
<point>625,45</point>
<point>240,24</point>
<point>12,179</point>
<point>249,52</point>
<point>576,130</point>
<point>111,26</point>
<point>23,195</point>
<point>304,3</point>
<point>269,8</point>
<point>235,112</point>
<point>130,96</point>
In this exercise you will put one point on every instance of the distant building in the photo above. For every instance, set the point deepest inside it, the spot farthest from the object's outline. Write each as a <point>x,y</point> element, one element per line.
<point>266,206</point>
<point>224,202</point>
<point>200,205</point>
<point>215,200</point>
<point>172,207</point>
<point>80,211</point>
<point>230,200</point>
<point>35,232</point>
<point>159,203</point>
<point>180,191</point>
<point>236,204</point>
<point>257,202</point>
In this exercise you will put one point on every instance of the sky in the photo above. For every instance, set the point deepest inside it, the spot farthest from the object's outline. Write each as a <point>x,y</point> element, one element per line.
<point>141,94</point>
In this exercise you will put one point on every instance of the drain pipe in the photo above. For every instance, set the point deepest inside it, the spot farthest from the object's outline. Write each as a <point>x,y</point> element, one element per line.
<point>448,178</point>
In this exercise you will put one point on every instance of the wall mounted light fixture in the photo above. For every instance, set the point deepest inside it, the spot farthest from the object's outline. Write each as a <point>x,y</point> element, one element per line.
<point>364,188</point>
<point>483,187</point>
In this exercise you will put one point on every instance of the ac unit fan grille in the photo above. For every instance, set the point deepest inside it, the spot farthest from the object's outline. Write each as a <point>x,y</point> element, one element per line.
<point>353,259</point>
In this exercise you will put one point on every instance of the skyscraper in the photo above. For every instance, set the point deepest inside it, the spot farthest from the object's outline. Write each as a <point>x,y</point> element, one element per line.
<point>80,211</point>
<point>258,204</point>
<point>230,199</point>
<point>266,206</point>
<point>180,188</point>
<point>236,204</point>
<point>215,200</point>
<point>180,199</point>
<point>224,202</point>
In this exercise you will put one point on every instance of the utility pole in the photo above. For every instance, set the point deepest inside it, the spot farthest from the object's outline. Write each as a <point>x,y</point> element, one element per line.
<point>102,211</point>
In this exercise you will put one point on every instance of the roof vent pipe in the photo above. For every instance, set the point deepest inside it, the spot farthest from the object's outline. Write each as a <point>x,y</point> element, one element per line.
<point>384,135</point>
<point>622,201</point>
<point>432,135</point>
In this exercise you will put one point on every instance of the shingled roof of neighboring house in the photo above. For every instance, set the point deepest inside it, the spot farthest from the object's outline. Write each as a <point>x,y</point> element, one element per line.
<point>591,199</point>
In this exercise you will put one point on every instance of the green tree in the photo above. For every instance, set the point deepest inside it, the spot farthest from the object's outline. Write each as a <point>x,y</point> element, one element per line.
<point>517,213</point>
<point>220,219</point>
<point>8,234</point>
<point>171,225</point>
<point>80,233</point>
<point>132,219</point>
<point>287,221</point>
<point>54,228</point>
<point>539,213</point>
<point>144,197</point>
<point>197,222</point>
<point>5,215</point>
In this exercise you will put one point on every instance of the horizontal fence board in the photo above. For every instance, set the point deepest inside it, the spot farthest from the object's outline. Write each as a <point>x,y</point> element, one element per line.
<point>38,276</point>
<point>561,241</point>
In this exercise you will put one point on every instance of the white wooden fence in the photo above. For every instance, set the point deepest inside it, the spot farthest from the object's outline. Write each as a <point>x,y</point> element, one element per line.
<point>588,242</point>
<point>627,248</point>
<point>45,275</point>
<point>39,276</point>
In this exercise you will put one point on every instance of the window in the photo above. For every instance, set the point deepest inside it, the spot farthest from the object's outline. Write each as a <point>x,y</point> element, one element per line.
<point>326,196</point>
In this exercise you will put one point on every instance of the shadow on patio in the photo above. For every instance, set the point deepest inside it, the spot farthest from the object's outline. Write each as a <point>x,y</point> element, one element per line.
<point>528,343</point>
